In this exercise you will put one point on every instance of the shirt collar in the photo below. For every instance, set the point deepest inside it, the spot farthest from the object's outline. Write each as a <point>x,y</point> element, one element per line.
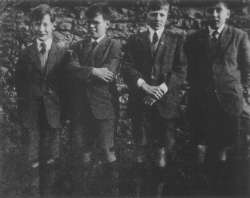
<point>158,32</point>
<point>219,30</point>
<point>98,40</point>
<point>48,43</point>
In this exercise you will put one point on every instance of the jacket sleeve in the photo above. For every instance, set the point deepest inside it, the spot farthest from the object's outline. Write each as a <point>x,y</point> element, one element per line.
<point>177,75</point>
<point>244,63</point>
<point>73,66</point>
<point>129,71</point>
<point>113,56</point>
<point>20,76</point>
<point>22,84</point>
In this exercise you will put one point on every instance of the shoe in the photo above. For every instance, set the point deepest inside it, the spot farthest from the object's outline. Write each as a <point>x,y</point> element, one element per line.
<point>161,158</point>
<point>86,158</point>
<point>201,153</point>
<point>140,156</point>
<point>50,161</point>
<point>223,154</point>
<point>35,164</point>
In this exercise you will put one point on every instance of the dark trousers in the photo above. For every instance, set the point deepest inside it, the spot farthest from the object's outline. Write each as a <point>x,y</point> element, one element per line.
<point>150,129</point>
<point>92,137</point>
<point>221,128</point>
<point>211,124</point>
<point>220,132</point>
<point>43,151</point>
<point>155,140</point>
<point>91,133</point>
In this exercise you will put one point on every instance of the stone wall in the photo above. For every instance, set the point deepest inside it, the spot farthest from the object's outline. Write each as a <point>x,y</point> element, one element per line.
<point>71,24</point>
<point>70,27</point>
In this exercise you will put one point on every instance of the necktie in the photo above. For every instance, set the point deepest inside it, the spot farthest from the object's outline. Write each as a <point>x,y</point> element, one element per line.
<point>154,42</point>
<point>93,45</point>
<point>43,55</point>
<point>215,35</point>
<point>90,56</point>
<point>155,38</point>
<point>154,46</point>
<point>42,48</point>
<point>214,44</point>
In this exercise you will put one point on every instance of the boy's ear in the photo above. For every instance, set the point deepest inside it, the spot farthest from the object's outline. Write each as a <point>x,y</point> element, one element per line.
<point>108,22</point>
<point>53,25</point>
<point>228,13</point>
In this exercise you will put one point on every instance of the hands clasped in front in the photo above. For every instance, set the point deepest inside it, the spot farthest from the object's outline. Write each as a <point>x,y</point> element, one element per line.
<point>104,74</point>
<point>154,93</point>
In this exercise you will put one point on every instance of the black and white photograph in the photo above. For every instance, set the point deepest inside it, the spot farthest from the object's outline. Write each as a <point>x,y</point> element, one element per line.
<point>124,98</point>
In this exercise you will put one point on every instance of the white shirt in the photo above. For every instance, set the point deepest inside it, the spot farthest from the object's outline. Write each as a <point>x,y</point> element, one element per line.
<point>48,43</point>
<point>219,30</point>
<point>140,81</point>
<point>44,57</point>
<point>151,34</point>
<point>99,39</point>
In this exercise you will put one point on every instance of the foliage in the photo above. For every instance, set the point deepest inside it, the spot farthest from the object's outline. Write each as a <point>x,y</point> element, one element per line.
<point>70,27</point>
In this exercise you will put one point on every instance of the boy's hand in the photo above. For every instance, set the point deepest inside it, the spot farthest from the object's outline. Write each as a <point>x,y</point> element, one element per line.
<point>103,73</point>
<point>149,100</point>
<point>154,91</point>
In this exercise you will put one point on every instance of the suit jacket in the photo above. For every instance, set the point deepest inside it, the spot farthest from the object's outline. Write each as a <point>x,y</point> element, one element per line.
<point>226,72</point>
<point>168,65</point>
<point>33,85</point>
<point>92,93</point>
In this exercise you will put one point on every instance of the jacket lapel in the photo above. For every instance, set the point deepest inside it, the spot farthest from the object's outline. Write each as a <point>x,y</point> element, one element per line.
<point>85,51</point>
<point>145,42</point>
<point>99,53</point>
<point>34,57</point>
<point>164,40</point>
<point>225,39</point>
<point>204,43</point>
<point>52,56</point>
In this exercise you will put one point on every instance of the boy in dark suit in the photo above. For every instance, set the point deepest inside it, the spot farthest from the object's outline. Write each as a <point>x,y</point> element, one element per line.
<point>219,76</point>
<point>94,62</point>
<point>39,88</point>
<point>154,69</point>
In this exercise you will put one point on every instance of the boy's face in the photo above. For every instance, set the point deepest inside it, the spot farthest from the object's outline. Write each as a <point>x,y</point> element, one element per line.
<point>43,29</point>
<point>217,15</point>
<point>98,26</point>
<point>157,19</point>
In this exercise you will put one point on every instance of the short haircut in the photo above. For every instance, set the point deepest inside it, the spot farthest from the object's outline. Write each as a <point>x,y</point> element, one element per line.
<point>40,11</point>
<point>224,2</point>
<point>98,8</point>
<point>157,4</point>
